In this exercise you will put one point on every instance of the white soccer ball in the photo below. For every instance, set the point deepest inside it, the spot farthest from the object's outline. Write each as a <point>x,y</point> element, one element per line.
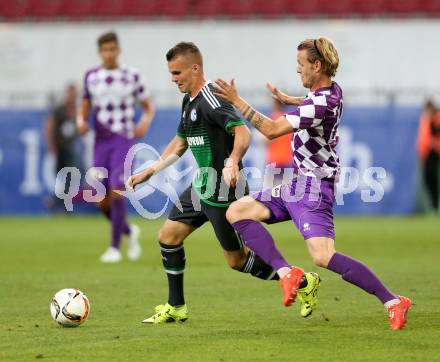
<point>69,307</point>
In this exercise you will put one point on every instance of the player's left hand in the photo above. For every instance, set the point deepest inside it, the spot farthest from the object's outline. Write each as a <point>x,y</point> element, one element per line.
<point>231,173</point>
<point>227,91</point>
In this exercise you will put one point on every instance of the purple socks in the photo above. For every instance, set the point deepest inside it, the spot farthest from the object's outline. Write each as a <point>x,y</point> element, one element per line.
<point>356,273</point>
<point>118,217</point>
<point>259,240</point>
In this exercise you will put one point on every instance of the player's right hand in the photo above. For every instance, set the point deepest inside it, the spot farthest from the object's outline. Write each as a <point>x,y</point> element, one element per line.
<point>283,97</point>
<point>277,94</point>
<point>138,178</point>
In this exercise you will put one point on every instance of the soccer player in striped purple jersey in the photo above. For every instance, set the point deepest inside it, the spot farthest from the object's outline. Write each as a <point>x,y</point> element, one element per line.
<point>308,199</point>
<point>111,92</point>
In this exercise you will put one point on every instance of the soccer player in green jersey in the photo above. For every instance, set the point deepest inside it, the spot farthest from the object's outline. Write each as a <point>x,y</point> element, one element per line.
<point>218,139</point>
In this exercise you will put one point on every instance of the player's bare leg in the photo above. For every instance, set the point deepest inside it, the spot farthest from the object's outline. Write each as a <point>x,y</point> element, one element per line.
<point>245,260</point>
<point>237,258</point>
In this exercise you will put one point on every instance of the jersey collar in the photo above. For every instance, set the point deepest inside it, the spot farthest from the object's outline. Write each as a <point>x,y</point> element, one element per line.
<point>206,83</point>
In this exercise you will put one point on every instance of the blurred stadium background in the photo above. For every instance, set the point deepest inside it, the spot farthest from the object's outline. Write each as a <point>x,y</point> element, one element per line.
<point>389,67</point>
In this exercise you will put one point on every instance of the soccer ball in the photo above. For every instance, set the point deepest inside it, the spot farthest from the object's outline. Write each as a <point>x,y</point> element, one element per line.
<point>69,307</point>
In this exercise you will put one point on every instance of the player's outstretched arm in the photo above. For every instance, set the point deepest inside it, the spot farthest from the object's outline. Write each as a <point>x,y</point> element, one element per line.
<point>283,97</point>
<point>242,140</point>
<point>83,116</point>
<point>268,127</point>
<point>175,149</point>
<point>147,116</point>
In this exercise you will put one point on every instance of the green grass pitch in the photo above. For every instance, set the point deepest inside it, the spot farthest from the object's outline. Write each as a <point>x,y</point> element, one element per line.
<point>233,317</point>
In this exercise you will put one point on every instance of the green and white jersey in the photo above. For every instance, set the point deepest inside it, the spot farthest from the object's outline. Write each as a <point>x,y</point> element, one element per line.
<point>206,124</point>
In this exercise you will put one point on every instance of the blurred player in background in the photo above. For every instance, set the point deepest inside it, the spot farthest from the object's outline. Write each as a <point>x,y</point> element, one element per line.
<point>60,134</point>
<point>308,200</point>
<point>428,146</point>
<point>278,151</point>
<point>218,139</point>
<point>111,92</point>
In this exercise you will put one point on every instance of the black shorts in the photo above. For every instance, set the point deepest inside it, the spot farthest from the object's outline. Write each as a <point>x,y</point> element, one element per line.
<point>229,239</point>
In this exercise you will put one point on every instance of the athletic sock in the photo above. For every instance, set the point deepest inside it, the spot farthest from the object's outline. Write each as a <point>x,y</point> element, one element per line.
<point>256,266</point>
<point>118,218</point>
<point>173,258</point>
<point>259,240</point>
<point>354,272</point>
<point>391,302</point>
<point>282,272</point>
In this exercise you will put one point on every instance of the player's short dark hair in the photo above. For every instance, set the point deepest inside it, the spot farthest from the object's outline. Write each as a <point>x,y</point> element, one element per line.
<point>109,37</point>
<point>185,48</point>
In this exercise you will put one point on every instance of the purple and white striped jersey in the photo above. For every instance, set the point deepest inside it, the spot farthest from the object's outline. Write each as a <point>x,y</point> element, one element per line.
<point>314,142</point>
<point>113,94</point>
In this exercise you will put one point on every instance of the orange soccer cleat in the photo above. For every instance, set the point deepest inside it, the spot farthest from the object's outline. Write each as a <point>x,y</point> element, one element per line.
<point>397,313</point>
<point>290,284</point>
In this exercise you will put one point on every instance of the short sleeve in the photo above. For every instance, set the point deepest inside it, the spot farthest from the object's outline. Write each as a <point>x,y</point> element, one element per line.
<point>181,130</point>
<point>226,116</point>
<point>309,114</point>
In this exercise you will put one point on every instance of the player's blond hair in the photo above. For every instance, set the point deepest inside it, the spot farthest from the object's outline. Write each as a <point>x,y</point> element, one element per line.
<point>324,50</point>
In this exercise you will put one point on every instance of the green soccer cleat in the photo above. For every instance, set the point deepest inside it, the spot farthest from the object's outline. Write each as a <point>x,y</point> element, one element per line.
<point>308,294</point>
<point>166,313</point>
